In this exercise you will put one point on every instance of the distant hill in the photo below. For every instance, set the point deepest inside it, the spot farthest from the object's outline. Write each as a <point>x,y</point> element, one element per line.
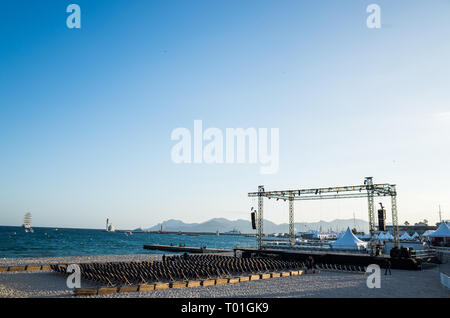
<point>244,226</point>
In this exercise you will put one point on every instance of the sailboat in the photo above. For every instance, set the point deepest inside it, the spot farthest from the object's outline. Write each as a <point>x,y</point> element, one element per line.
<point>109,226</point>
<point>27,223</point>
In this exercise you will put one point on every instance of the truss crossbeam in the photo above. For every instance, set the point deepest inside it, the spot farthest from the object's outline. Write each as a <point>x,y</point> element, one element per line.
<point>324,197</point>
<point>385,189</point>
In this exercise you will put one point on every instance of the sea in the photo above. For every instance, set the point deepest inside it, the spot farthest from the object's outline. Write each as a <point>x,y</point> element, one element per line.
<point>53,242</point>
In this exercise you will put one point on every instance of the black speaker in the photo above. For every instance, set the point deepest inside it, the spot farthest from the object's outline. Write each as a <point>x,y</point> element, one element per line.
<point>382,220</point>
<point>253,220</point>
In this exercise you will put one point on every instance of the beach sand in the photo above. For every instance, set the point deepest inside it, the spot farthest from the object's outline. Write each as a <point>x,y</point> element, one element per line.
<point>80,259</point>
<point>402,283</point>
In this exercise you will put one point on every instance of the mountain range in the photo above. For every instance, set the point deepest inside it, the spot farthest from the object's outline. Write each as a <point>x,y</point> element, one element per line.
<point>244,226</point>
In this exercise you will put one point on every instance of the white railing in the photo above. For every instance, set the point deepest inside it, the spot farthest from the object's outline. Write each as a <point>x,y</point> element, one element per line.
<point>423,253</point>
<point>444,250</point>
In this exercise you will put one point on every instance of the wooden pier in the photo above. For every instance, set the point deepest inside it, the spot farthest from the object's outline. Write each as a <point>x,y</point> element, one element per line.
<point>184,249</point>
<point>186,233</point>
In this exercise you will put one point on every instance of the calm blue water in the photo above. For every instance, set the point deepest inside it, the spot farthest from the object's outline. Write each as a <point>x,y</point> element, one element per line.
<point>47,242</point>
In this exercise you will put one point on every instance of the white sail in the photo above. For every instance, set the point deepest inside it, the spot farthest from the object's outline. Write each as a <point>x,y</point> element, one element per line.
<point>109,226</point>
<point>27,223</point>
<point>27,220</point>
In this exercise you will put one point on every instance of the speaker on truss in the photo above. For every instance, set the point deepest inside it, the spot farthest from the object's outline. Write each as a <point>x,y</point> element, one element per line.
<point>382,220</point>
<point>253,214</point>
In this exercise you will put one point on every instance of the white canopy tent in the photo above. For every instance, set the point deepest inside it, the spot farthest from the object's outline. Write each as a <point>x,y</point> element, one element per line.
<point>415,235</point>
<point>385,236</point>
<point>442,231</point>
<point>349,242</point>
<point>405,236</point>
<point>441,237</point>
<point>389,236</point>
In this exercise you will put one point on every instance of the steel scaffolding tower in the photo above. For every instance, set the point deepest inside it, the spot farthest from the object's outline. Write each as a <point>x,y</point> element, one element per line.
<point>291,222</point>
<point>368,190</point>
<point>395,216</point>
<point>260,216</point>
<point>369,187</point>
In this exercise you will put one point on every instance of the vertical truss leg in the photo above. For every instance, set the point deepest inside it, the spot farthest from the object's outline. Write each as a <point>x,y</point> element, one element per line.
<point>260,217</point>
<point>370,192</point>
<point>291,222</point>
<point>395,217</point>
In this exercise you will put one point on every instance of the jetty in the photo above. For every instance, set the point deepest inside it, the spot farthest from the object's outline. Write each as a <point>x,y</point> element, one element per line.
<point>186,233</point>
<point>184,249</point>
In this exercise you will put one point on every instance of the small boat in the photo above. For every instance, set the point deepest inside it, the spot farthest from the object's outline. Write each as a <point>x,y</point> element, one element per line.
<point>27,223</point>
<point>128,233</point>
<point>234,232</point>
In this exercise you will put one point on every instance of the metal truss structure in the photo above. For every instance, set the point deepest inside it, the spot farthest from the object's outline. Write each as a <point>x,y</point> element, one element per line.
<point>369,190</point>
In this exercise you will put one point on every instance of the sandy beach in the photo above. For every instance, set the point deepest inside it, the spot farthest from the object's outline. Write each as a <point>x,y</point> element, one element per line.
<point>402,283</point>
<point>80,259</point>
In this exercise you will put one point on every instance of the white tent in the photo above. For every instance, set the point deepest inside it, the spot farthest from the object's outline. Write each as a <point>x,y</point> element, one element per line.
<point>349,242</point>
<point>405,236</point>
<point>390,236</point>
<point>415,235</point>
<point>427,233</point>
<point>442,231</point>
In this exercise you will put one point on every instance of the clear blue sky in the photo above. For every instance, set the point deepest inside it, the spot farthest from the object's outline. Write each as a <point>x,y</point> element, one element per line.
<point>86,115</point>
